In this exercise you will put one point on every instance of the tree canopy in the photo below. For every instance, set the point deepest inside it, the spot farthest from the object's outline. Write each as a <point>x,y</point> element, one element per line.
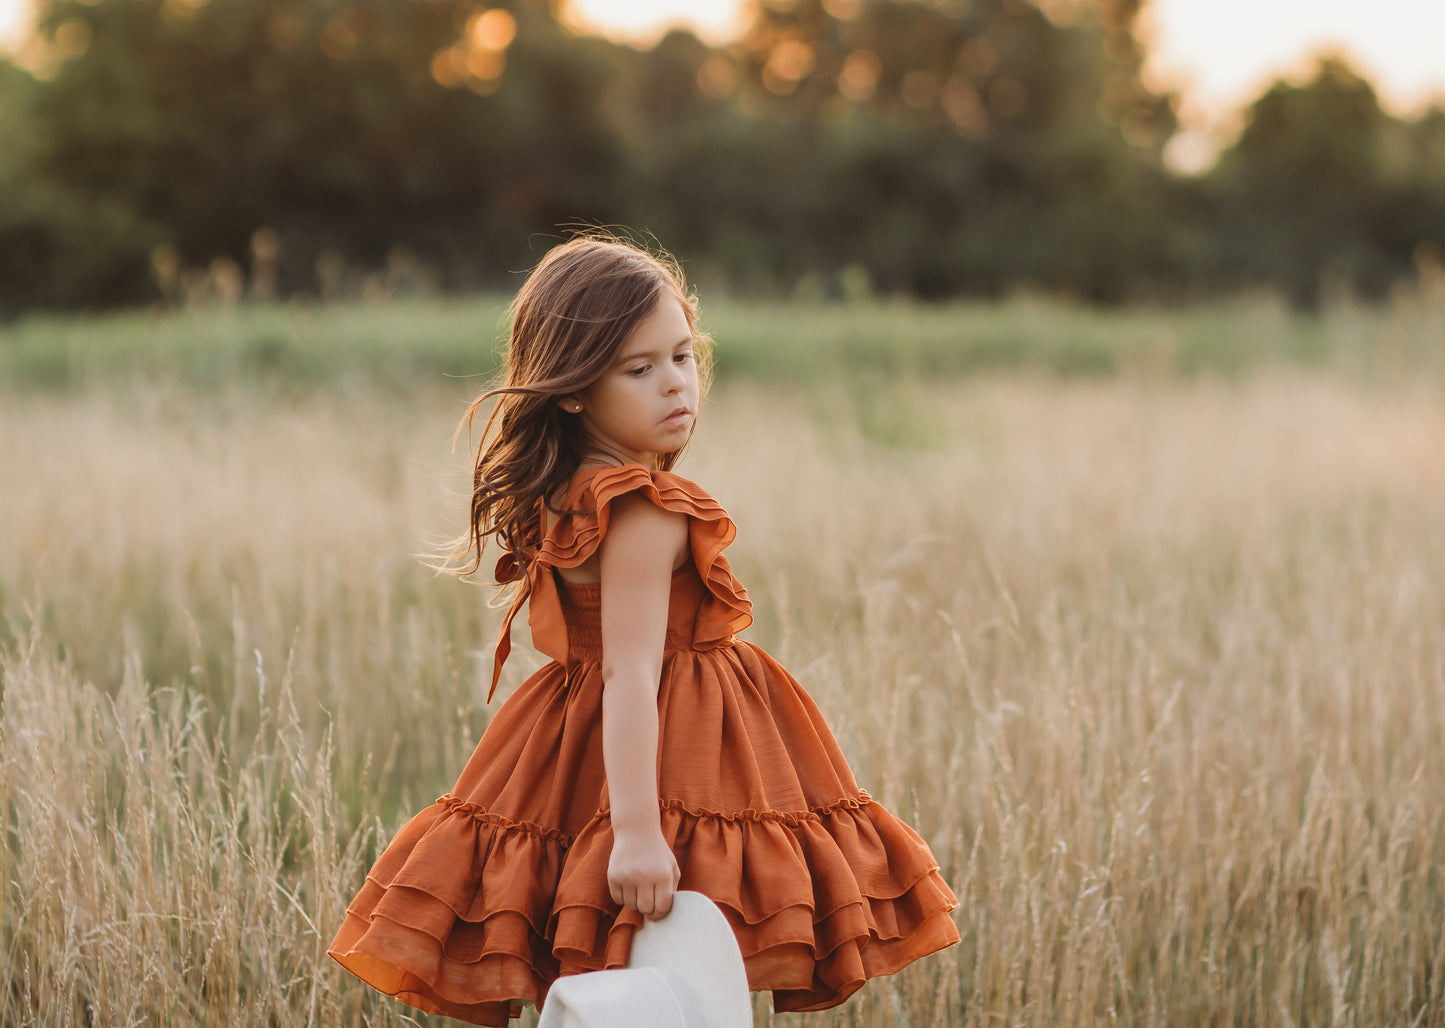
<point>939,148</point>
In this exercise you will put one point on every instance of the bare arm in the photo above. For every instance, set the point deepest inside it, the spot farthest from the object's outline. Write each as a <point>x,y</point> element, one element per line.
<point>637,558</point>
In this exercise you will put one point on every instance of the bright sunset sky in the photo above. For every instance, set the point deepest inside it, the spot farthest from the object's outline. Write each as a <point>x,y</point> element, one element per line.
<point>1221,51</point>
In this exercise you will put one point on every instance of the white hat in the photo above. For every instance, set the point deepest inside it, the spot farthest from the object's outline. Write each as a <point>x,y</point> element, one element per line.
<point>685,972</point>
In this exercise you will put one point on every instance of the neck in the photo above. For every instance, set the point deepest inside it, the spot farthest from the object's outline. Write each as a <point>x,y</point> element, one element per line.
<point>601,455</point>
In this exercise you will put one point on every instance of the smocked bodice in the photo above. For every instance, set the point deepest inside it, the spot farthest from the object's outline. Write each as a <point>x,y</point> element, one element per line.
<point>581,605</point>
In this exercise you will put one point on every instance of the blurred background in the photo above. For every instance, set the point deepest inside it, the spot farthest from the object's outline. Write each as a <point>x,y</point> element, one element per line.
<point>1105,150</point>
<point>1080,398</point>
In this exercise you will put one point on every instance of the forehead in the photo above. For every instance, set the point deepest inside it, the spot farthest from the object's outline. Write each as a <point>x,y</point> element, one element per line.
<point>663,329</point>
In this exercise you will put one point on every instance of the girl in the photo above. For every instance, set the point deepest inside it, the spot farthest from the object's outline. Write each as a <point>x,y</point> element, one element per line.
<point>657,750</point>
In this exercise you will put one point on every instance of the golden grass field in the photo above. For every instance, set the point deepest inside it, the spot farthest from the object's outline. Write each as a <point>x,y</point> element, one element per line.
<point>1157,666</point>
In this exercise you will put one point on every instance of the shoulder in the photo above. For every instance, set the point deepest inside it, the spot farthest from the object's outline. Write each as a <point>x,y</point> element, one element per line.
<point>643,534</point>
<point>641,512</point>
<point>628,504</point>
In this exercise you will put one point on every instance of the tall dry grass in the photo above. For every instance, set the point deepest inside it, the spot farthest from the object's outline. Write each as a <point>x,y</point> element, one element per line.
<point>1157,668</point>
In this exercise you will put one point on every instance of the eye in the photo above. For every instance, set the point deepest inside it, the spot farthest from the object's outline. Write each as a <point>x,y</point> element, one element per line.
<point>638,371</point>
<point>682,358</point>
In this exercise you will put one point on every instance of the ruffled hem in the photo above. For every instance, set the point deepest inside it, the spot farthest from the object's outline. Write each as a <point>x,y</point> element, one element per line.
<point>430,928</point>
<point>820,900</point>
<point>575,537</point>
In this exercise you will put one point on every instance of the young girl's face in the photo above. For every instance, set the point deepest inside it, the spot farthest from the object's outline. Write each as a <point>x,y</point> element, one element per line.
<point>645,404</point>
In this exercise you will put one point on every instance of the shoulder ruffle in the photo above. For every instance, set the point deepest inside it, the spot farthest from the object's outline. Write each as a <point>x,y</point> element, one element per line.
<point>577,534</point>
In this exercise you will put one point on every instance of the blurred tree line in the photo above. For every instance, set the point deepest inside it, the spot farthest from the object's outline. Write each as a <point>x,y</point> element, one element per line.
<point>924,147</point>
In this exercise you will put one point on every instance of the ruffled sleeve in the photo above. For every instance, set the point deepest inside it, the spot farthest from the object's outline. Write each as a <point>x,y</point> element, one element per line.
<point>577,534</point>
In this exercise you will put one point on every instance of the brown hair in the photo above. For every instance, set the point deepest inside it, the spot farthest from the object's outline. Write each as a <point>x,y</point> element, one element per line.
<point>569,321</point>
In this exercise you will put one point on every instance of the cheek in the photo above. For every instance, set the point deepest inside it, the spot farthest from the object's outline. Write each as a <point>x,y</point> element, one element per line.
<point>616,394</point>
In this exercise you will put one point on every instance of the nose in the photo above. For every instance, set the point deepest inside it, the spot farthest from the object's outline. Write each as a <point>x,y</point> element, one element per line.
<point>675,379</point>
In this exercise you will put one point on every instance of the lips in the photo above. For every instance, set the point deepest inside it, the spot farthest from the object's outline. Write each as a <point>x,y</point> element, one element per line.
<point>677,417</point>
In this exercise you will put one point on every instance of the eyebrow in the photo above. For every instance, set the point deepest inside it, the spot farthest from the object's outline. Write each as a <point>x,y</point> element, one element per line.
<point>633,355</point>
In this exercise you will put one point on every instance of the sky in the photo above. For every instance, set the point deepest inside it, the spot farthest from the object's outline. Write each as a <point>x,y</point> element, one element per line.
<point>1219,53</point>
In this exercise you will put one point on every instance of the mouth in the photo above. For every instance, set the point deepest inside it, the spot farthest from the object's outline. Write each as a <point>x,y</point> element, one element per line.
<point>678,417</point>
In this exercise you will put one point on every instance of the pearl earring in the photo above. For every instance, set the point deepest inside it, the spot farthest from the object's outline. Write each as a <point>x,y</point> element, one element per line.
<point>576,408</point>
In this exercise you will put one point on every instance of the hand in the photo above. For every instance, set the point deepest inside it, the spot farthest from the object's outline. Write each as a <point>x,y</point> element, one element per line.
<point>642,873</point>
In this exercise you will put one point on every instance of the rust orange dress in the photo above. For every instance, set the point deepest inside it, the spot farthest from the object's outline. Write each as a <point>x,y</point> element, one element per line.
<point>483,899</point>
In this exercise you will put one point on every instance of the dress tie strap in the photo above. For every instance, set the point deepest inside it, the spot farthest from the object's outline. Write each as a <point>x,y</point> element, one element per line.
<point>508,569</point>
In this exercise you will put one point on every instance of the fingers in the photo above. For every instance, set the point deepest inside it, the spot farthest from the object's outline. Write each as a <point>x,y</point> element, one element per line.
<point>646,904</point>
<point>646,889</point>
<point>662,901</point>
<point>662,894</point>
<point>624,894</point>
<point>652,900</point>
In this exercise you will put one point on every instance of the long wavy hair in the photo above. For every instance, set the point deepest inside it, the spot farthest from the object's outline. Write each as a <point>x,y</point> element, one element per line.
<point>569,321</point>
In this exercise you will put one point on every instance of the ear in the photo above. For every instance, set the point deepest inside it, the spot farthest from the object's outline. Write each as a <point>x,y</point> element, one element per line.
<point>570,404</point>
